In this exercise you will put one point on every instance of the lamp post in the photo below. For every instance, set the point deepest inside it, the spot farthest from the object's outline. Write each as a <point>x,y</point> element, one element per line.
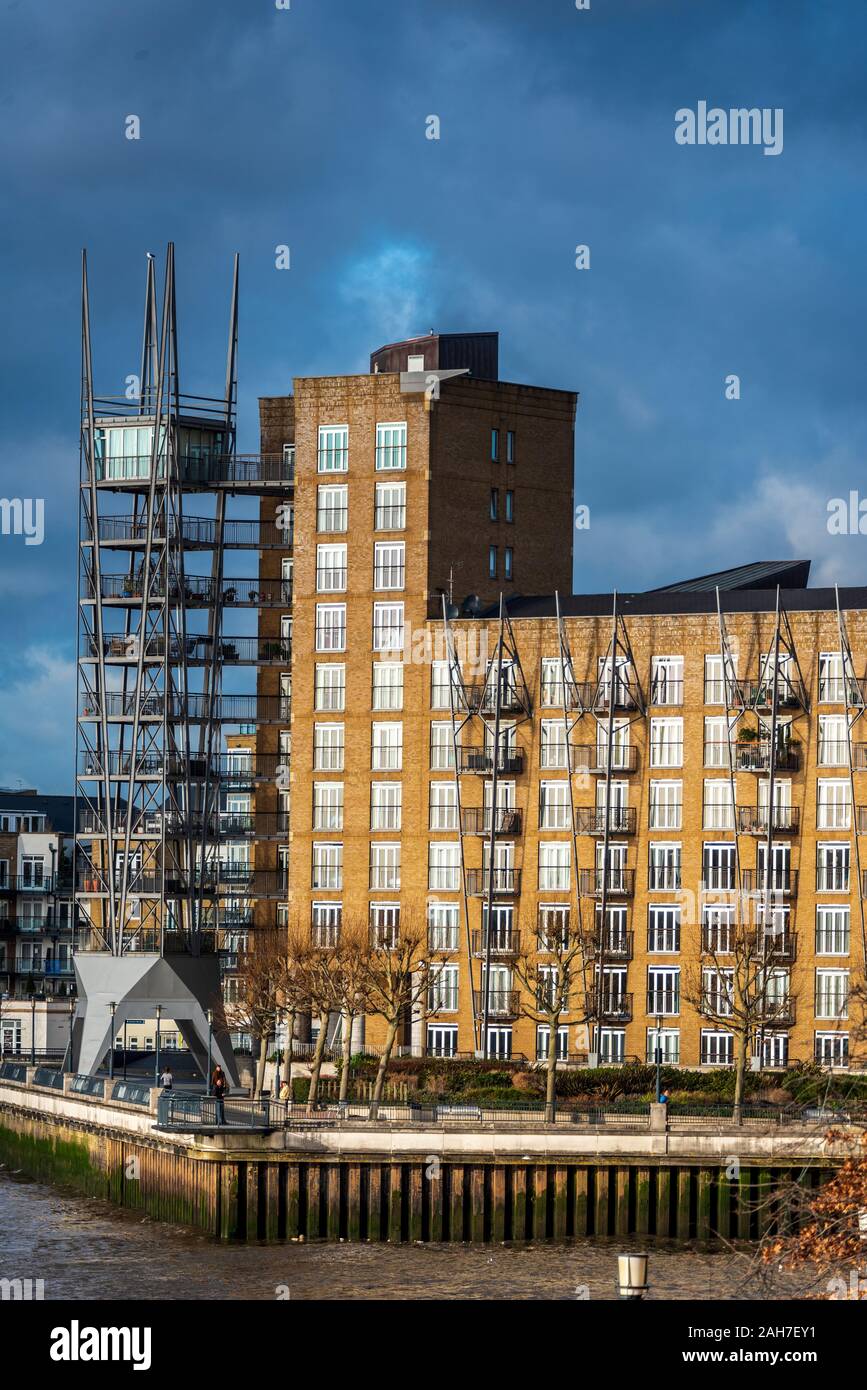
<point>71,1023</point>
<point>112,1006</point>
<point>33,1029</point>
<point>157,1054</point>
<point>632,1276</point>
<point>658,1054</point>
<point>124,1048</point>
<point>210,1045</point>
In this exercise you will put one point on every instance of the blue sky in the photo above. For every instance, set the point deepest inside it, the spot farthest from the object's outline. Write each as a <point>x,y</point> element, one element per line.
<point>307,127</point>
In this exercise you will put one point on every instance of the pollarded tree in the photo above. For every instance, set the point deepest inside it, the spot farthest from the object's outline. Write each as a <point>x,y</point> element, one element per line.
<point>395,978</point>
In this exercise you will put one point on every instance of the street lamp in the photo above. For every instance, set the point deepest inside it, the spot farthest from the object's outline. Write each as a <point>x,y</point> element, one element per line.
<point>112,1006</point>
<point>632,1276</point>
<point>124,1048</point>
<point>658,1055</point>
<point>210,1045</point>
<point>157,1056</point>
<point>71,1022</point>
<point>33,1029</point>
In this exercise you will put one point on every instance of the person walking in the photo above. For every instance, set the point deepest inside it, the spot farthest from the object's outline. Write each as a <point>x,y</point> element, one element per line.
<point>219,1087</point>
<point>664,1096</point>
<point>166,1079</point>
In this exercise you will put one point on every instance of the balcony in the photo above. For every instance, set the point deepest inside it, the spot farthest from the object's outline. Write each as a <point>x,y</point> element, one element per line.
<point>502,943</point>
<point>591,820</point>
<point>614,946</point>
<point>476,820</point>
<point>506,882</point>
<point>839,690</point>
<point>612,1007</point>
<point>753,820</point>
<point>502,1003</point>
<point>784,881</point>
<point>553,929</point>
<point>779,947</point>
<point>268,472</point>
<point>482,697</point>
<point>778,1011</point>
<point>614,883</point>
<point>481,761</point>
<point>790,694</point>
<point>754,755</point>
<point>593,758</point>
<point>597,695</point>
<point>199,591</point>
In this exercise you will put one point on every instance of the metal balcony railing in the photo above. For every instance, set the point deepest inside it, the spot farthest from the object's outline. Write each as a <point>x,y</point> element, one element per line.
<point>755,756</point>
<point>790,693</point>
<point>718,941</point>
<point>618,883</point>
<point>666,692</point>
<point>838,690</point>
<point>502,1003</point>
<point>753,820</point>
<point>502,943</point>
<point>779,947</point>
<point>593,757</point>
<point>552,929</point>
<point>197,591</point>
<point>833,878</point>
<point>590,820</point>
<point>612,946</point>
<point>481,760</point>
<point>209,471</point>
<point>715,1003</point>
<point>778,1011</point>
<point>831,1004</point>
<point>196,650</point>
<point>325,935</point>
<point>663,1003</point>
<point>611,1007</point>
<point>757,882</point>
<point>663,877</point>
<point>598,695</point>
<point>506,882</point>
<point>476,820</point>
<point>199,533</point>
<point>483,697</point>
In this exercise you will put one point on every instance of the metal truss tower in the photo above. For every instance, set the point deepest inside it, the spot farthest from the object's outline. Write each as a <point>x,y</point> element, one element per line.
<point>152,874</point>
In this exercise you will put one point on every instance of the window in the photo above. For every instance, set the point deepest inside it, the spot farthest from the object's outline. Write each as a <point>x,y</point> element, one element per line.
<point>663,929</point>
<point>832,685</point>
<point>331,627</point>
<point>552,751</point>
<point>325,923</point>
<point>328,747</point>
<point>832,993</point>
<point>554,807</point>
<point>543,1042</point>
<point>717,929</point>
<point>442,1041</point>
<point>507,563</point>
<point>492,562</point>
<point>832,1049</point>
<point>715,683</point>
<point>415,362</point>
<point>330,569</point>
<point>717,992</point>
<point>554,865</point>
<point>443,989</point>
<point>329,687</point>
<point>510,446</point>
<point>552,682</point>
<point>612,1045</point>
<point>667,1040</point>
<point>615,936</point>
<point>663,870</point>
<point>719,811</point>
<point>439,686</point>
<point>333,449</point>
<point>327,805</point>
<point>834,804</point>
<point>442,925</point>
<point>495,503</point>
<point>443,806</point>
<point>666,805</point>
<point>833,740</point>
<point>386,753</point>
<point>718,867</point>
<point>385,805</point>
<point>332,507</point>
<point>832,931</point>
<point>663,990</point>
<point>510,505</point>
<point>390,446</point>
<point>444,867</point>
<point>666,680</point>
<point>327,866</point>
<point>832,867</point>
<point>442,748</point>
<point>384,867</point>
<point>775,1050</point>
<point>387,685</point>
<point>717,741</point>
<point>666,742</point>
<point>390,507</point>
<point>389,565</point>
<point>387,627</point>
<point>495,445</point>
<point>385,926</point>
<point>717,1048</point>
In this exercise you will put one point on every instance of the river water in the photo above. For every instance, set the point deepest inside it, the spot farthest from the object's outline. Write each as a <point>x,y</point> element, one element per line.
<point>88,1249</point>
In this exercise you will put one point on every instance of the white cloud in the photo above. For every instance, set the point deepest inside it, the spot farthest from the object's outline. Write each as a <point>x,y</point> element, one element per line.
<point>37,713</point>
<point>393,289</point>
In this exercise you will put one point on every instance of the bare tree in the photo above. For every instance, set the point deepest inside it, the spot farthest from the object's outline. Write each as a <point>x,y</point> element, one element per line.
<point>551,970</point>
<point>261,968</point>
<point>396,976</point>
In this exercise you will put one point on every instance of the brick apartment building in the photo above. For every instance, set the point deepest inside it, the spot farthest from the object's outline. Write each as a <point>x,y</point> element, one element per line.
<point>667,760</point>
<point>37,933</point>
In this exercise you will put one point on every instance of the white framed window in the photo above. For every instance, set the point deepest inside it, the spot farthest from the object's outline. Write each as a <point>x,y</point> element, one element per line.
<point>666,680</point>
<point>385,805</point>
<point>390,507</point>
<point>387,685</point>
<point>384,867</point>
<point>834,809</point>
<point>663,929</point>
<point>328,746</point>
<point>663,867</point>
<point>554,808</point>
<point>832,993</point>
<point>389,565</point>
<point>444,866</point>
<point>552,684</point>
<point>666,742</point>
<point>555,858</point>
<point>832,684</point>
<point>833,934</point>
<point>717,1048</point>
<point>612,1045</point>
<point>439,686</point>
<point>715,675</point>
<point>717,991</point>
<point>442,1040</point>
<point>391,446</point>
<point>719,811</point>
<point>717,928</point>
<point>386,754</point>
<point>833,740</point>
<point>332,508</point>
<point>331,568</point>
<point>666,804</point>
<point>543,1042</point>
<point>388,627</point>
<point>552,746</point>
<point>442,748</point>
<point>832,1049</point>
<point>718,867</point>
<point>327,805</point>
<point>443,989</point>
<point>667,1040</point>
<point>833,862</point>
<point>333,455</point>
<point>663,990</point>
<point>443,806</point>
<point>717,740</point>
<point>327,866</point>
<point>325,922</point>
<point>385,925</point>
<point>331,627</point>
<point>443,922</point>
<point>329,687</point>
